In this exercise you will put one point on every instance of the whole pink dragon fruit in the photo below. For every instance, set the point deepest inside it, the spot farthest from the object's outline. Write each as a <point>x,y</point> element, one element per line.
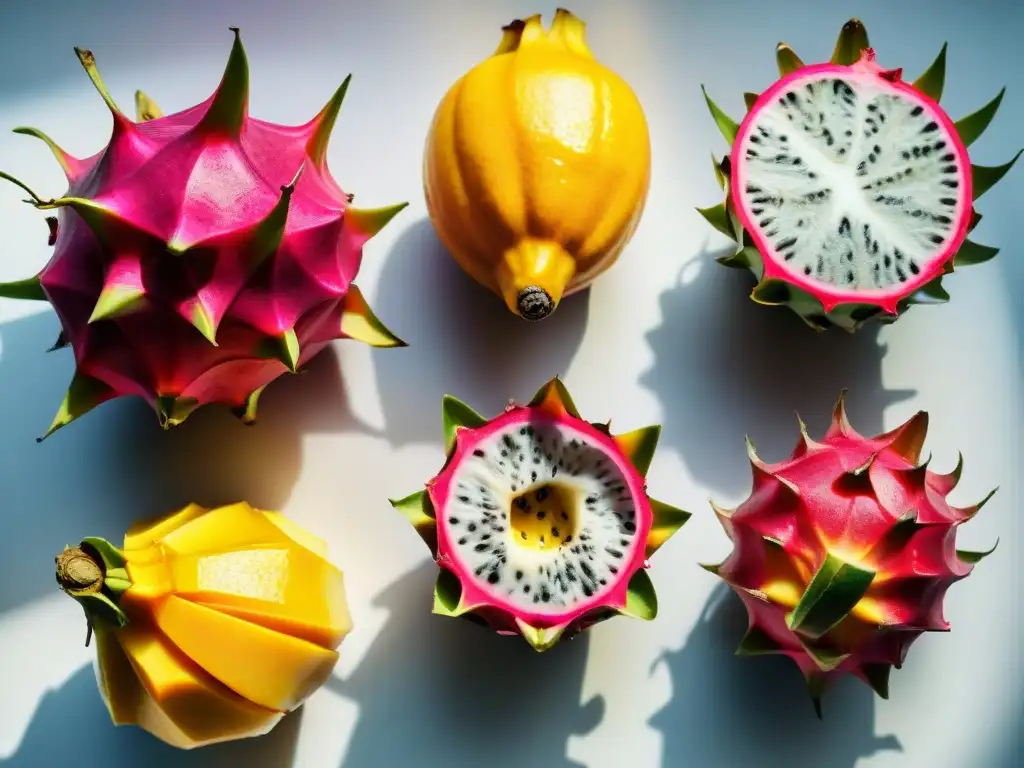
<point>844,552</point>
<point>202,254</point>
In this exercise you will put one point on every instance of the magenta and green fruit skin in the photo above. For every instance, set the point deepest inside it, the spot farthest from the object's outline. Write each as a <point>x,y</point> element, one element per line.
<point>850,192</point>
<point>844,551</point>
<point>201,254</point>
<point>540,521</point>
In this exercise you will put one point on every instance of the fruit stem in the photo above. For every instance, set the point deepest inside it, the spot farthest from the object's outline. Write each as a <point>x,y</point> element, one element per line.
<point>534,303</point>
<point>95,574</point>
<point>78,572</point>
<point>533,275</point>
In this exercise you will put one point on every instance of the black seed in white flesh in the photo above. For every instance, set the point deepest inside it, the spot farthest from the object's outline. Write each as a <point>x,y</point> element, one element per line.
<point>541,518</point>
<point>852,182</point>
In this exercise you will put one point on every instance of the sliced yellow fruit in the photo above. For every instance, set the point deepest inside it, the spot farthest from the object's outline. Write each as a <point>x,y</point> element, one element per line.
<point>267,667</point>
<point>148,532</point>
<point>287,589</point>
<point>299,535</point>
<point>223,530</point>
<point>119,685</point>
<point>185,706</point>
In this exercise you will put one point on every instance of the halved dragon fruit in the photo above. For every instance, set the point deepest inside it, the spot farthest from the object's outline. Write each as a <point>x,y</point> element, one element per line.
<point>540,521</point>
<point>202,254</point>
<point>851,192</point>
<point>843,553</point>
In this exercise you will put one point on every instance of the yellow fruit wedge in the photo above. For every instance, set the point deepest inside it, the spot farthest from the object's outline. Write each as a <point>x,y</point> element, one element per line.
<point>287,589</point>
<point>199,708</point>
<point>119,686</point>
<point>147,532</point>
<point>223,530</point>
<point>300,536</point>
<point>210,624</point>
<point>289,669</point>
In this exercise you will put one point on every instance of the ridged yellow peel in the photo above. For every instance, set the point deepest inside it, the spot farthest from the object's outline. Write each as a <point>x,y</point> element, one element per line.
<point>537,166</point>
<point>234,618</point>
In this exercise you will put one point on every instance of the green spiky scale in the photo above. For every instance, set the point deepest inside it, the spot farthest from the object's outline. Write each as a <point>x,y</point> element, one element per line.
<point>555,390</point>
<point>833,592</point>
<point>456,415</point>
<point>61,342</point>
<point>975,124</point>
<point>719,176</point>
<point>641,598</point>
<point>718,217</point>
<point>787,60</point>
<point>247,412</point>
<point>973,253</point>
<point>420,512</point>
<point>30,288</point>
<point>827,659</point>
<point>172,410</point>
<point>84,394</point>
<point>750,99</point>
<point>316,148</point>
<point>984,177</point>
<point>448,595</point>
<point>360,323</point>
<point>285,348</point>
<point>666,521</point>
<point>877,676</point>
<point>639,447</point>
<point>230,106</point>
<point>757,642</point>
<point>370,221</point>
<point>203,322</point>
<point>933,80</point>
<point>117,301</point>
<point>726,124</point>
<point>62,157</point>
<point>88,62</point>
<point>145,108</point>
<point>852,39</point>
<point>972,557</point>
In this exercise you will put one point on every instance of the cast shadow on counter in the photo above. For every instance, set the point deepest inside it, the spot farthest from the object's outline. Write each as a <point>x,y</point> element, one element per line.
<point>462,339</point>
<point>71,727</point>
<point>115,465</point>
<point>725,367</point>
<point>461,694</point>
<point>730,711</point>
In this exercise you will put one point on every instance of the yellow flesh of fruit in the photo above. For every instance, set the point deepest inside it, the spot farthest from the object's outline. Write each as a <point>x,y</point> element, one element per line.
<point>235,614</point>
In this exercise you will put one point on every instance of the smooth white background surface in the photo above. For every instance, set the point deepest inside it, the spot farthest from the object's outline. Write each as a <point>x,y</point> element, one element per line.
<point>667,336</point>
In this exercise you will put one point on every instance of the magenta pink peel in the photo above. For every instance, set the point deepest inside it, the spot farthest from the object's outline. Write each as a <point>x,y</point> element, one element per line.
<point>540,521</point>
<point>202,254</point>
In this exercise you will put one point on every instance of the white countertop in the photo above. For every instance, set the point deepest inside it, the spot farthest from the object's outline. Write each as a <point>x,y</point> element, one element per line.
<point>667,336</point>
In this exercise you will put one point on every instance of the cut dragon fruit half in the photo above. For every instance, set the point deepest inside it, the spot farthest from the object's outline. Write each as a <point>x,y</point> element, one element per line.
<point>540,521</point>
<point>850,192</point>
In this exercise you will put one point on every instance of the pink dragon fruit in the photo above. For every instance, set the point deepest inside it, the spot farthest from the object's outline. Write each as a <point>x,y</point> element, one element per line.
<point>201,254</point>
<point>850,192</point>
<point>844,552</point>
<point>540,521</point>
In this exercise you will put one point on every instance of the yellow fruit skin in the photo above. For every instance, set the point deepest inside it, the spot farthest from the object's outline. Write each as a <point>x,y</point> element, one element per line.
<point>235,616</point>
<point>537,166</point>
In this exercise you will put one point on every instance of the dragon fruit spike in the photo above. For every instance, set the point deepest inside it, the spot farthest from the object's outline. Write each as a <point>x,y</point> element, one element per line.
<point>843,552</point>
<point>200,254</point>
<point>540,521</point>
<point>849,192</point>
